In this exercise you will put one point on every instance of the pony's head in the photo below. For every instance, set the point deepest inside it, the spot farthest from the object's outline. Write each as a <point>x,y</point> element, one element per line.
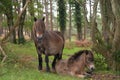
<point>90,60</point>
<point>84,58</point>
<point>39,26</point>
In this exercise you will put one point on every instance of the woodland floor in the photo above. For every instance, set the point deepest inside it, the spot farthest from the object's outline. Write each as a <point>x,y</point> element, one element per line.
<point>21,64</point>
<point>103,76</point>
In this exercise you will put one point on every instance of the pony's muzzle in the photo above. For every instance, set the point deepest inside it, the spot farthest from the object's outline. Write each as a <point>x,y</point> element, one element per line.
<point>39,37</point>
<point>92,68</point>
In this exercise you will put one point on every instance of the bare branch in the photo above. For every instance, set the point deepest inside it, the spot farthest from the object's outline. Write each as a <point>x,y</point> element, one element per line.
<point>4,54</point>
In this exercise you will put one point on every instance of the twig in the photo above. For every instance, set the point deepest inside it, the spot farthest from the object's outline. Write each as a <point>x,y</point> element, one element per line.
<point>3,53</point>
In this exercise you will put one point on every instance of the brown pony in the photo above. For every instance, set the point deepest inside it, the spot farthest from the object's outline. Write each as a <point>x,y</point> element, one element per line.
<point>47,42</point>
<point>76,64</point>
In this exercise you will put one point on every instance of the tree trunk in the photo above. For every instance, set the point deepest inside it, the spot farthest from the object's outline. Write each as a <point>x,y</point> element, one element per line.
<point>78,20</point>
<point>9,14</point>
<point>116,40</point>
<point>108,47</point>
<point>107,19</point>
<point>62,15</point>
<point>1,31</point>
<point>10,25</point>
<point>85,19</point>
<point>46,13</point>
<point>51,15</point>
<point>70,19</point>
<point>21,24</point>
<point>32,14</point>
<point>93,22</point>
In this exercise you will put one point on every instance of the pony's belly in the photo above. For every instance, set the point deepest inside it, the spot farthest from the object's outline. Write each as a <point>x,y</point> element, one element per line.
<point>52,51</point>
<point>53,48</point>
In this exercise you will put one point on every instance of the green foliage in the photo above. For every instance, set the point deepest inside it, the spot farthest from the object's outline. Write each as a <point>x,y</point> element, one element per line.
<point>100,62</point>
<point>4,24</point>
<point>62,14</point>
<point>4,4</point>
<point>116,56</point>
<point>2,8</point>
<point>35,7</point>
<point>28,24</point>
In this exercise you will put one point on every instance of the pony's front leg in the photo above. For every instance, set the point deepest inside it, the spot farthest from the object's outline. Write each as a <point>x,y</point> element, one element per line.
<point>40,62</point>
<point>47,63</point>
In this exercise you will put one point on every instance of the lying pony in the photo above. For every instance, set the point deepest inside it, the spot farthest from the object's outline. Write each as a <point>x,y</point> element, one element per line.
<point>75,65</point>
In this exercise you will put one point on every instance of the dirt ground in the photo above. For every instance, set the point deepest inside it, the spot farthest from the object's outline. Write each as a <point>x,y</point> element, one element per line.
<point>102,76</point>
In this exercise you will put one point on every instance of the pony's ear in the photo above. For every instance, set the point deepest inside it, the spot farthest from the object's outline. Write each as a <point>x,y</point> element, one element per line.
<point>43,18</point>
<point>35,19</point>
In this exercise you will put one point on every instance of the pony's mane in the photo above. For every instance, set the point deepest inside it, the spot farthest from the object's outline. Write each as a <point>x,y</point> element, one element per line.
<point>77,55</point>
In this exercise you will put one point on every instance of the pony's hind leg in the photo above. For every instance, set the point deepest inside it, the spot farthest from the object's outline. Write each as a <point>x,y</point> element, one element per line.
<point>60,55</point>
<point>47,63</point>
<point>40,62</point>
<point>54,61</point>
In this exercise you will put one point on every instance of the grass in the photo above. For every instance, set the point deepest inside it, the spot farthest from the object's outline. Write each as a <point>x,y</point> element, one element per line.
<point>32,74</point>
<point>21,64</point>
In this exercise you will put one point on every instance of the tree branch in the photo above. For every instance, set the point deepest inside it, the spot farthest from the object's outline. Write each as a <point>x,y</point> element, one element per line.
<point>4,54</point>
<point>16,23</point>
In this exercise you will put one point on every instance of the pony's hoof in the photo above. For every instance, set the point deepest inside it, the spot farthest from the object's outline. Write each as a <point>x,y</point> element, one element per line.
<point>53,70</point>
<point>47,70</point>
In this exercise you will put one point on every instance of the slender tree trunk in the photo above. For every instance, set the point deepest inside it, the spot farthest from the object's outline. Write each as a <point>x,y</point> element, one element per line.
<point>94,23</point>
<point>10,25</point>
<point>46,12</point>
<point>1,25</point>
<point>51,15</point>
<point>32,14</point>
<point>21,24</point>
<point>107,17</point>
<point>70,20</point>
<point>9,14</point>
<point>85,19</point>
<point>90,22</point>
<point>78,20</point>
<point>62,15</point>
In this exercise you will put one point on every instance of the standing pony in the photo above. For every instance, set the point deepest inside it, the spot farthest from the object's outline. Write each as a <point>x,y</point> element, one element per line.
<point>75,65</point>
<point>47,43</point>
